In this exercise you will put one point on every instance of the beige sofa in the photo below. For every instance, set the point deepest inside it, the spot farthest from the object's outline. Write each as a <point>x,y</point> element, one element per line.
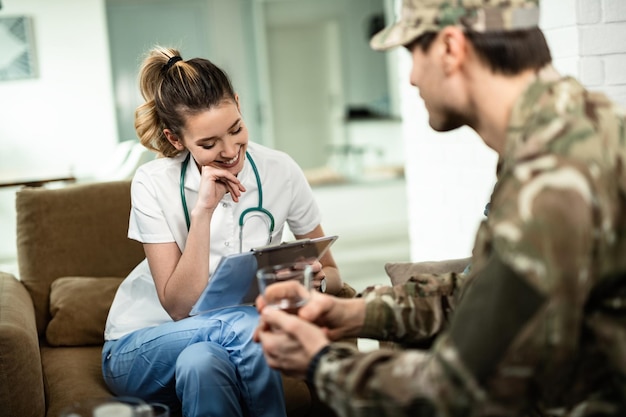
<point>72,254</point>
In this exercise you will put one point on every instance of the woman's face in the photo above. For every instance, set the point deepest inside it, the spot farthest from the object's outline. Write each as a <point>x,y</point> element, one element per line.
<point>217,137</point>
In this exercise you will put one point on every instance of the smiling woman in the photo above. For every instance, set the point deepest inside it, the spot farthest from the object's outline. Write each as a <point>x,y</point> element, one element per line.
<point>191,117</point>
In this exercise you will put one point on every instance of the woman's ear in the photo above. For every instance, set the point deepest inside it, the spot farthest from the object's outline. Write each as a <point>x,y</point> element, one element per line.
<point>237,102</point>
<point>455,53</point>
<point>173,139</point>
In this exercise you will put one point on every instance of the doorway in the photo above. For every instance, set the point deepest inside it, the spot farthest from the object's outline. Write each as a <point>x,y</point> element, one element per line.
<point>305,67</point>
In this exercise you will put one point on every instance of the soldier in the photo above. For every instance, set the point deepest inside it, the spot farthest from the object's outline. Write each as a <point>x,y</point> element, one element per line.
<point>539,327</point>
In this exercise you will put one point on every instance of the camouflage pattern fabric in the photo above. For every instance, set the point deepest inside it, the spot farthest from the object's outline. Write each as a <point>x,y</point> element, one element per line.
<point>540,323</point>
<point>420,16</point>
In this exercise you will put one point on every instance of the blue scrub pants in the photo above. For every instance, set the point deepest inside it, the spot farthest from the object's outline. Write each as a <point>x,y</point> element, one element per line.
<point>208,363</point>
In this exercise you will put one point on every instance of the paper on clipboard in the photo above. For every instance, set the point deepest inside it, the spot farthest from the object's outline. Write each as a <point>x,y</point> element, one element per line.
<point>234,280</point>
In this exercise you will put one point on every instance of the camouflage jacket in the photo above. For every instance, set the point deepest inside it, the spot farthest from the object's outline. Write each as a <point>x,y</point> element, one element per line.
<point>539,327</point>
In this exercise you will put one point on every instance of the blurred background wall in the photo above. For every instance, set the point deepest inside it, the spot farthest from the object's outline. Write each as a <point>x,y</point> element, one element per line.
<point>309,85</point>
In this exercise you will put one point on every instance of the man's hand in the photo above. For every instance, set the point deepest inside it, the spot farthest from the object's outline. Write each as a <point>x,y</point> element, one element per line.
<point>289,343</point>
<point>338,317</point>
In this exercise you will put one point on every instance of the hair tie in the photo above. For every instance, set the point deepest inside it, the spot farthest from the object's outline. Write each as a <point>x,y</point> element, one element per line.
<point>171,63</point>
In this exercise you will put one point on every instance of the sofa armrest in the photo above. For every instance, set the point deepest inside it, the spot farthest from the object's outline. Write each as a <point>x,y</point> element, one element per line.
<point>21,376</point>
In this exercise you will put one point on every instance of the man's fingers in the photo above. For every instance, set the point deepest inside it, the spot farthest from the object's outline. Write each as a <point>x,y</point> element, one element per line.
<point>278,319</point>
<point>259,303</point>
<point>284,352</point>
<point>308,335</point>
<point>285,290</point>
<point>261,327</point>
<point>316,307</point>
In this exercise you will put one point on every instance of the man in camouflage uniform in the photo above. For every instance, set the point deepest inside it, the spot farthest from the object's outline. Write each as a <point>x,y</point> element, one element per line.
<point>539,324</point>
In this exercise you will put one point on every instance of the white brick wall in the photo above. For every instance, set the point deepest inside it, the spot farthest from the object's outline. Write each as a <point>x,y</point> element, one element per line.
<point>614,10</point>
<point>602,38</point>
<point>592,71</point>
<point>588,41</point>
<point>589,12</point>
<point>558,13</point>
<point>601,27</point>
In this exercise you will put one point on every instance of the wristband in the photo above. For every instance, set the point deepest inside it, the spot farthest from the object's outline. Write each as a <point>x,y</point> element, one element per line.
<point>310,372</point>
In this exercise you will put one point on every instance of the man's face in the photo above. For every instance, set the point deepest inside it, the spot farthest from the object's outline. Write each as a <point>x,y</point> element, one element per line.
<point>439,89</point>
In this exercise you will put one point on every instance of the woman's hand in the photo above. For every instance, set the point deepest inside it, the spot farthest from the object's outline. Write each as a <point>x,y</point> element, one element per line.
<point>319,276</point>
<point>326,268</point>
<point>214,184</point>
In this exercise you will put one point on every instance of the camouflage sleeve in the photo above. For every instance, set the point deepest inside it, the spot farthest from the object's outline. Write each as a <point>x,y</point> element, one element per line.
<point>412,313</point>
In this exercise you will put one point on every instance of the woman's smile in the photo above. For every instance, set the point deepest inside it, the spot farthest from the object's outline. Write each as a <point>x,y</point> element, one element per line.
<point>231,162</point>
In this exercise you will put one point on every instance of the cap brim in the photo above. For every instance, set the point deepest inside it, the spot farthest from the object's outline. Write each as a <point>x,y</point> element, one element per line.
<point>394,35</point>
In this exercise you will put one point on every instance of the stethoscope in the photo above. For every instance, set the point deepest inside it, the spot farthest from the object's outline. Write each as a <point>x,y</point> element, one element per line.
<point>259,208</point>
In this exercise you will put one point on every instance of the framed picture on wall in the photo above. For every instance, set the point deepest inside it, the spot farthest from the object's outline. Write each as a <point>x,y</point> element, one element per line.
<point>17,60</point>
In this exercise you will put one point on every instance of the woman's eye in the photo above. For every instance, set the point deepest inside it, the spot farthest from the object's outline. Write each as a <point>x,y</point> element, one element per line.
<point>236,131</point>
<point>208,146</point>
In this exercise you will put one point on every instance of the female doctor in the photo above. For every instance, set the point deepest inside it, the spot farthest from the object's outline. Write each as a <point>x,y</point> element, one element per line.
<point>211,194</point>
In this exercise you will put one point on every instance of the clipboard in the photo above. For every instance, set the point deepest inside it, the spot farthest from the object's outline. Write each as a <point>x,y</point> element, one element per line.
<point>234,281</point>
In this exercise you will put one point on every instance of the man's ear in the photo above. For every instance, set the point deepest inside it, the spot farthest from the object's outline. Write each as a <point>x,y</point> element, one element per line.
<point>174,139</point>
<point>456,45</point>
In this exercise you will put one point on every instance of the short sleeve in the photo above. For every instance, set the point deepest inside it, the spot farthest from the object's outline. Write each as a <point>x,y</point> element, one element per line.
<point>147,223</point>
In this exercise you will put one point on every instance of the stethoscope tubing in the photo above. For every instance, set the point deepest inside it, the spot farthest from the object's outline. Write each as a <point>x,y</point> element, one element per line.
<point>258,208</point>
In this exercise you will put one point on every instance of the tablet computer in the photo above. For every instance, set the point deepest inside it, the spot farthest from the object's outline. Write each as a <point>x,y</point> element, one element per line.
<point>234,280</point>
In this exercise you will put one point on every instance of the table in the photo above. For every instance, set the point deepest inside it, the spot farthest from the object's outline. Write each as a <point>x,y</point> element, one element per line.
<point>35,181</point>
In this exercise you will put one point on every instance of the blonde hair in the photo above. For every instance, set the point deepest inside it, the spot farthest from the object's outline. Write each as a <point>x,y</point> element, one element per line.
<point>173,90</point>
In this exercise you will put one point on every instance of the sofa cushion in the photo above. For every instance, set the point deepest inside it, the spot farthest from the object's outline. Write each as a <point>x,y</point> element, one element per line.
<point>72,374</point>
<point>79,307</point>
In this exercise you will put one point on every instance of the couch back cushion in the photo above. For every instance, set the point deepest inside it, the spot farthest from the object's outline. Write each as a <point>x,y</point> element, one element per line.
<point>79,307</point>
<point>76,231</point>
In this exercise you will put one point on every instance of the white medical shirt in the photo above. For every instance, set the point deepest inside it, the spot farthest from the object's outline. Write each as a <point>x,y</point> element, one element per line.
<point>157,216</point>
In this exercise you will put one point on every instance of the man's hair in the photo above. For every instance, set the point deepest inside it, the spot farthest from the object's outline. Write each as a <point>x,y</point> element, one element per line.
<point>505,52</point>
<point>512,52</point>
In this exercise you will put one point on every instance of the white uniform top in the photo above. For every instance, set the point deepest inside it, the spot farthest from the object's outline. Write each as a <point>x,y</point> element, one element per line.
<point>157,216</point>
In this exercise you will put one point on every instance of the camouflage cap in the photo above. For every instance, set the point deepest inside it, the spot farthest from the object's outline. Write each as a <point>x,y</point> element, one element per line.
<point>420,16</point>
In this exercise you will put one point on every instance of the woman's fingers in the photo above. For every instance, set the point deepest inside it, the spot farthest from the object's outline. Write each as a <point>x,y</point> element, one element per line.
<point>316,267</point>
<point>318,275</point>
<point>235,189</point>
<point>218,182</point>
